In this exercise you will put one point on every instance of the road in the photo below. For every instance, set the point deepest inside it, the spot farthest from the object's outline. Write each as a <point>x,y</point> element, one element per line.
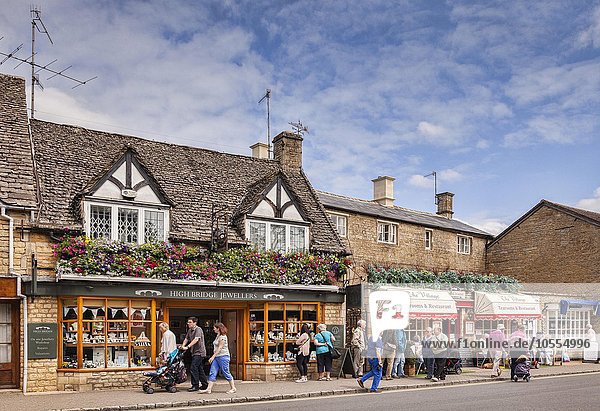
<point>573,392</point>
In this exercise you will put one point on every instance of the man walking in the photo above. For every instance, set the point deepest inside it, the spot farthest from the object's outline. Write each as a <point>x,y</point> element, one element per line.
<point>194,341</point>
<point>497,342</point>
<point>374,349</point>
<point>439,346</point>
<point>398,367</point>
<point>358,346</point>
<point>389,351</point>
<point>427,353</point>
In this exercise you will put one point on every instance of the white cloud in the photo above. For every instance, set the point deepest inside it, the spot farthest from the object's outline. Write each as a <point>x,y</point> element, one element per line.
<point>489,225</point>
<point>591,35</point>
<point>592,204</point>
<point>420,181</point>
<point>450,175</point>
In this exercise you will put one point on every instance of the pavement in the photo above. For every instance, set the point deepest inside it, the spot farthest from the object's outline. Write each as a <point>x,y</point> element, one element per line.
<point>249,391</point>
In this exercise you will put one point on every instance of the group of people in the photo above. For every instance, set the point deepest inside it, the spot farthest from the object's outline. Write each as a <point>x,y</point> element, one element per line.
<point>389,350</point>
<point>194,343</point>
<point>323,341</point>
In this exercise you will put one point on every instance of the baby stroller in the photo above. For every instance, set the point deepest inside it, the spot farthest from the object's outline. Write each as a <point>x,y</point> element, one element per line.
<point>167,375</point>
<point>453,363</point>
<point>522,369</point>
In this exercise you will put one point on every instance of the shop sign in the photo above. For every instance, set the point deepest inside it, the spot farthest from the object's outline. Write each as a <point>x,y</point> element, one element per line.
<point>339,332</point>
<point>41,340</point>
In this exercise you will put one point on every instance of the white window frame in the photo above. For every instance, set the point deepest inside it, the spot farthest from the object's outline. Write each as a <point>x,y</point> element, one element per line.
<point>114,214</point>
<point>393,232</point>
<point>429,239</point>
<point>335,218</point>
<point>287,225</point>
<point>460,248</point>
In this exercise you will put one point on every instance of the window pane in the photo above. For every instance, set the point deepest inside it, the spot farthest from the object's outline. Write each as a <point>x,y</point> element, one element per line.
<point>128,225</point>
<point>258,235</point>
<point>297,238</point>
<point>154,226</point>
<point>278,240</point>
<point>100,222</point>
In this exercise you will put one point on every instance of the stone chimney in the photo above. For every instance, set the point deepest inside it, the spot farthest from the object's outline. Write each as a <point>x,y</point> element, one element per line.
<point>287,149</point>
<point>444,205</point>
<point>260,150</point>
<point>383,190</point>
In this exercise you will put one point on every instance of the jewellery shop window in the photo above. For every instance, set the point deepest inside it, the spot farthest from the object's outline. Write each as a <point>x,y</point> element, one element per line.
<point>274,329</point>
<point>106,333</point>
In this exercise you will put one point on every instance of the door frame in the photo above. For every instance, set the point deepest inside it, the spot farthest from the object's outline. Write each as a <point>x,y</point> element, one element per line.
<point>240,307</point>
<point>15,364</point>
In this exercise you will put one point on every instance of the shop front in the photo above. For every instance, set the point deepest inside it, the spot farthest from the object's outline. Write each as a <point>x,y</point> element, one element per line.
<point>109,326</point>
<point>511,309</point>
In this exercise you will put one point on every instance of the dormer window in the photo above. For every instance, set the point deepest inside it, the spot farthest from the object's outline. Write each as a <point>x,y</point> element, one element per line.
<point>276,222</point>
<point>127,205</point>
<point>272,235</point>
<point>114,222</point>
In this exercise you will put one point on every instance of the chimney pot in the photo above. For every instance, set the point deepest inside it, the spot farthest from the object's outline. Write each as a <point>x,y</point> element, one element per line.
<point>260,150</point>
<point>383,190</point>
<point>444,204</point>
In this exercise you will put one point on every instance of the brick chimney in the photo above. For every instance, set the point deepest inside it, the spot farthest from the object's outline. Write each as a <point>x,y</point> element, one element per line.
<point>260,150</point>
<point>383,190</point>
<point>444,205</point>
<point>287,149</point>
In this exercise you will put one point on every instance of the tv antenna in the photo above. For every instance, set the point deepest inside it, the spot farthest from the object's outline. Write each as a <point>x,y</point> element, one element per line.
<point>38,25</point>
<point>299,128</point>
<point>434,174</point>
<point>267,97</point>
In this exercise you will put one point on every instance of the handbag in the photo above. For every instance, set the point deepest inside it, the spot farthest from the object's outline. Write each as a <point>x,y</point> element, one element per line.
<point>335,354</point>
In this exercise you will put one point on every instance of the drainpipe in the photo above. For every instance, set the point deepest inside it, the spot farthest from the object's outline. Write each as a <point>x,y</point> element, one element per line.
<point>25,336</point>
<point>19,294</point>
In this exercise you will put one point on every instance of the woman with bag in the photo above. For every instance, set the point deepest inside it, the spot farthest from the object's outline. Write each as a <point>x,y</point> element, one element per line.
<point>324,342</point>
<point>303,343</point>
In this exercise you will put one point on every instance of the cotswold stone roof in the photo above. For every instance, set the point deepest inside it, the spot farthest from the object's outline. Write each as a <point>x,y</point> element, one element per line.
<point>590,217</point>
<point>70,159</point>
<point>17,181</point>
<point>394,213</point>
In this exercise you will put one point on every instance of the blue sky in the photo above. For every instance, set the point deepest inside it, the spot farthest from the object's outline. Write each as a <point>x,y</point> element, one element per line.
<point>501,99</point>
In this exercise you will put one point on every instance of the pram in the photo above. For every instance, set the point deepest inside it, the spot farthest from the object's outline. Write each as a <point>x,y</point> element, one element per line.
<point>522,369</point>
<point>168,375</point>
<point>453,363</point>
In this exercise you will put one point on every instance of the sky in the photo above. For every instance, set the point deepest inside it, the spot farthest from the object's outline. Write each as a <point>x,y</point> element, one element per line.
<point>501,99</point>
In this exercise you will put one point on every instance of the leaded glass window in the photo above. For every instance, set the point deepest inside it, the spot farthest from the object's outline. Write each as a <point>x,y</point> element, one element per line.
<point>128,225</point>
<point>154,226</point>
<point>278,240</point>
<point>258,234</point>
<point>297,238</point>
<point>100,222</point>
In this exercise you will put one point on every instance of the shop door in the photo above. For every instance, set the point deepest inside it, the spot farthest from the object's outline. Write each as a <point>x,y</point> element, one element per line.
<point>9,344</point>
<point>230,319</point>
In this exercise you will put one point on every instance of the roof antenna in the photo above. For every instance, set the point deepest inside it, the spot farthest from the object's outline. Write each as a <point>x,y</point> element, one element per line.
<point>434,174</point>
<point>299,128</point>
<point>267,96</point>
<point>38,25</point>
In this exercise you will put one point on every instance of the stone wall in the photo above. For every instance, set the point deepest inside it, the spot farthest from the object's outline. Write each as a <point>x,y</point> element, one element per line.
<point>548,246</point>
<point>409,251</point>
<point>99,380</point>
<point>41,373</point>
<point>278,372</point>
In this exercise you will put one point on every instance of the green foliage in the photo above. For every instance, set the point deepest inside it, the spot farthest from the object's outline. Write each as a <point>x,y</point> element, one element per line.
<point>468,280</point>
<point>84,256</point>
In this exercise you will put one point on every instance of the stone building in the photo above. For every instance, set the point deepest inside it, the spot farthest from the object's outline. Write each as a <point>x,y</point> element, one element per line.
<point>379,233</point>
<point>558,244</point>
<point>118,187</point>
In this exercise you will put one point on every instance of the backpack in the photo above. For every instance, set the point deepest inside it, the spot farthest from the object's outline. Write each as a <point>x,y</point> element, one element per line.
<point>180,373</point>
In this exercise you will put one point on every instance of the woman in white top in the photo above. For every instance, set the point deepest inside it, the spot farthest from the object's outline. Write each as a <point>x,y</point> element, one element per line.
<point>220,360</point>
<point>303,343</point>
<point>167,343</point>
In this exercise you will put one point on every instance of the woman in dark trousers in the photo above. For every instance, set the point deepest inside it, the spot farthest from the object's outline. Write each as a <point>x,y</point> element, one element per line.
<point>303,343</point>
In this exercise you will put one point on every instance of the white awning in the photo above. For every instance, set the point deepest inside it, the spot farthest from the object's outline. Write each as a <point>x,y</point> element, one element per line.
<point>492,306</point>
<point>433,304</point>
